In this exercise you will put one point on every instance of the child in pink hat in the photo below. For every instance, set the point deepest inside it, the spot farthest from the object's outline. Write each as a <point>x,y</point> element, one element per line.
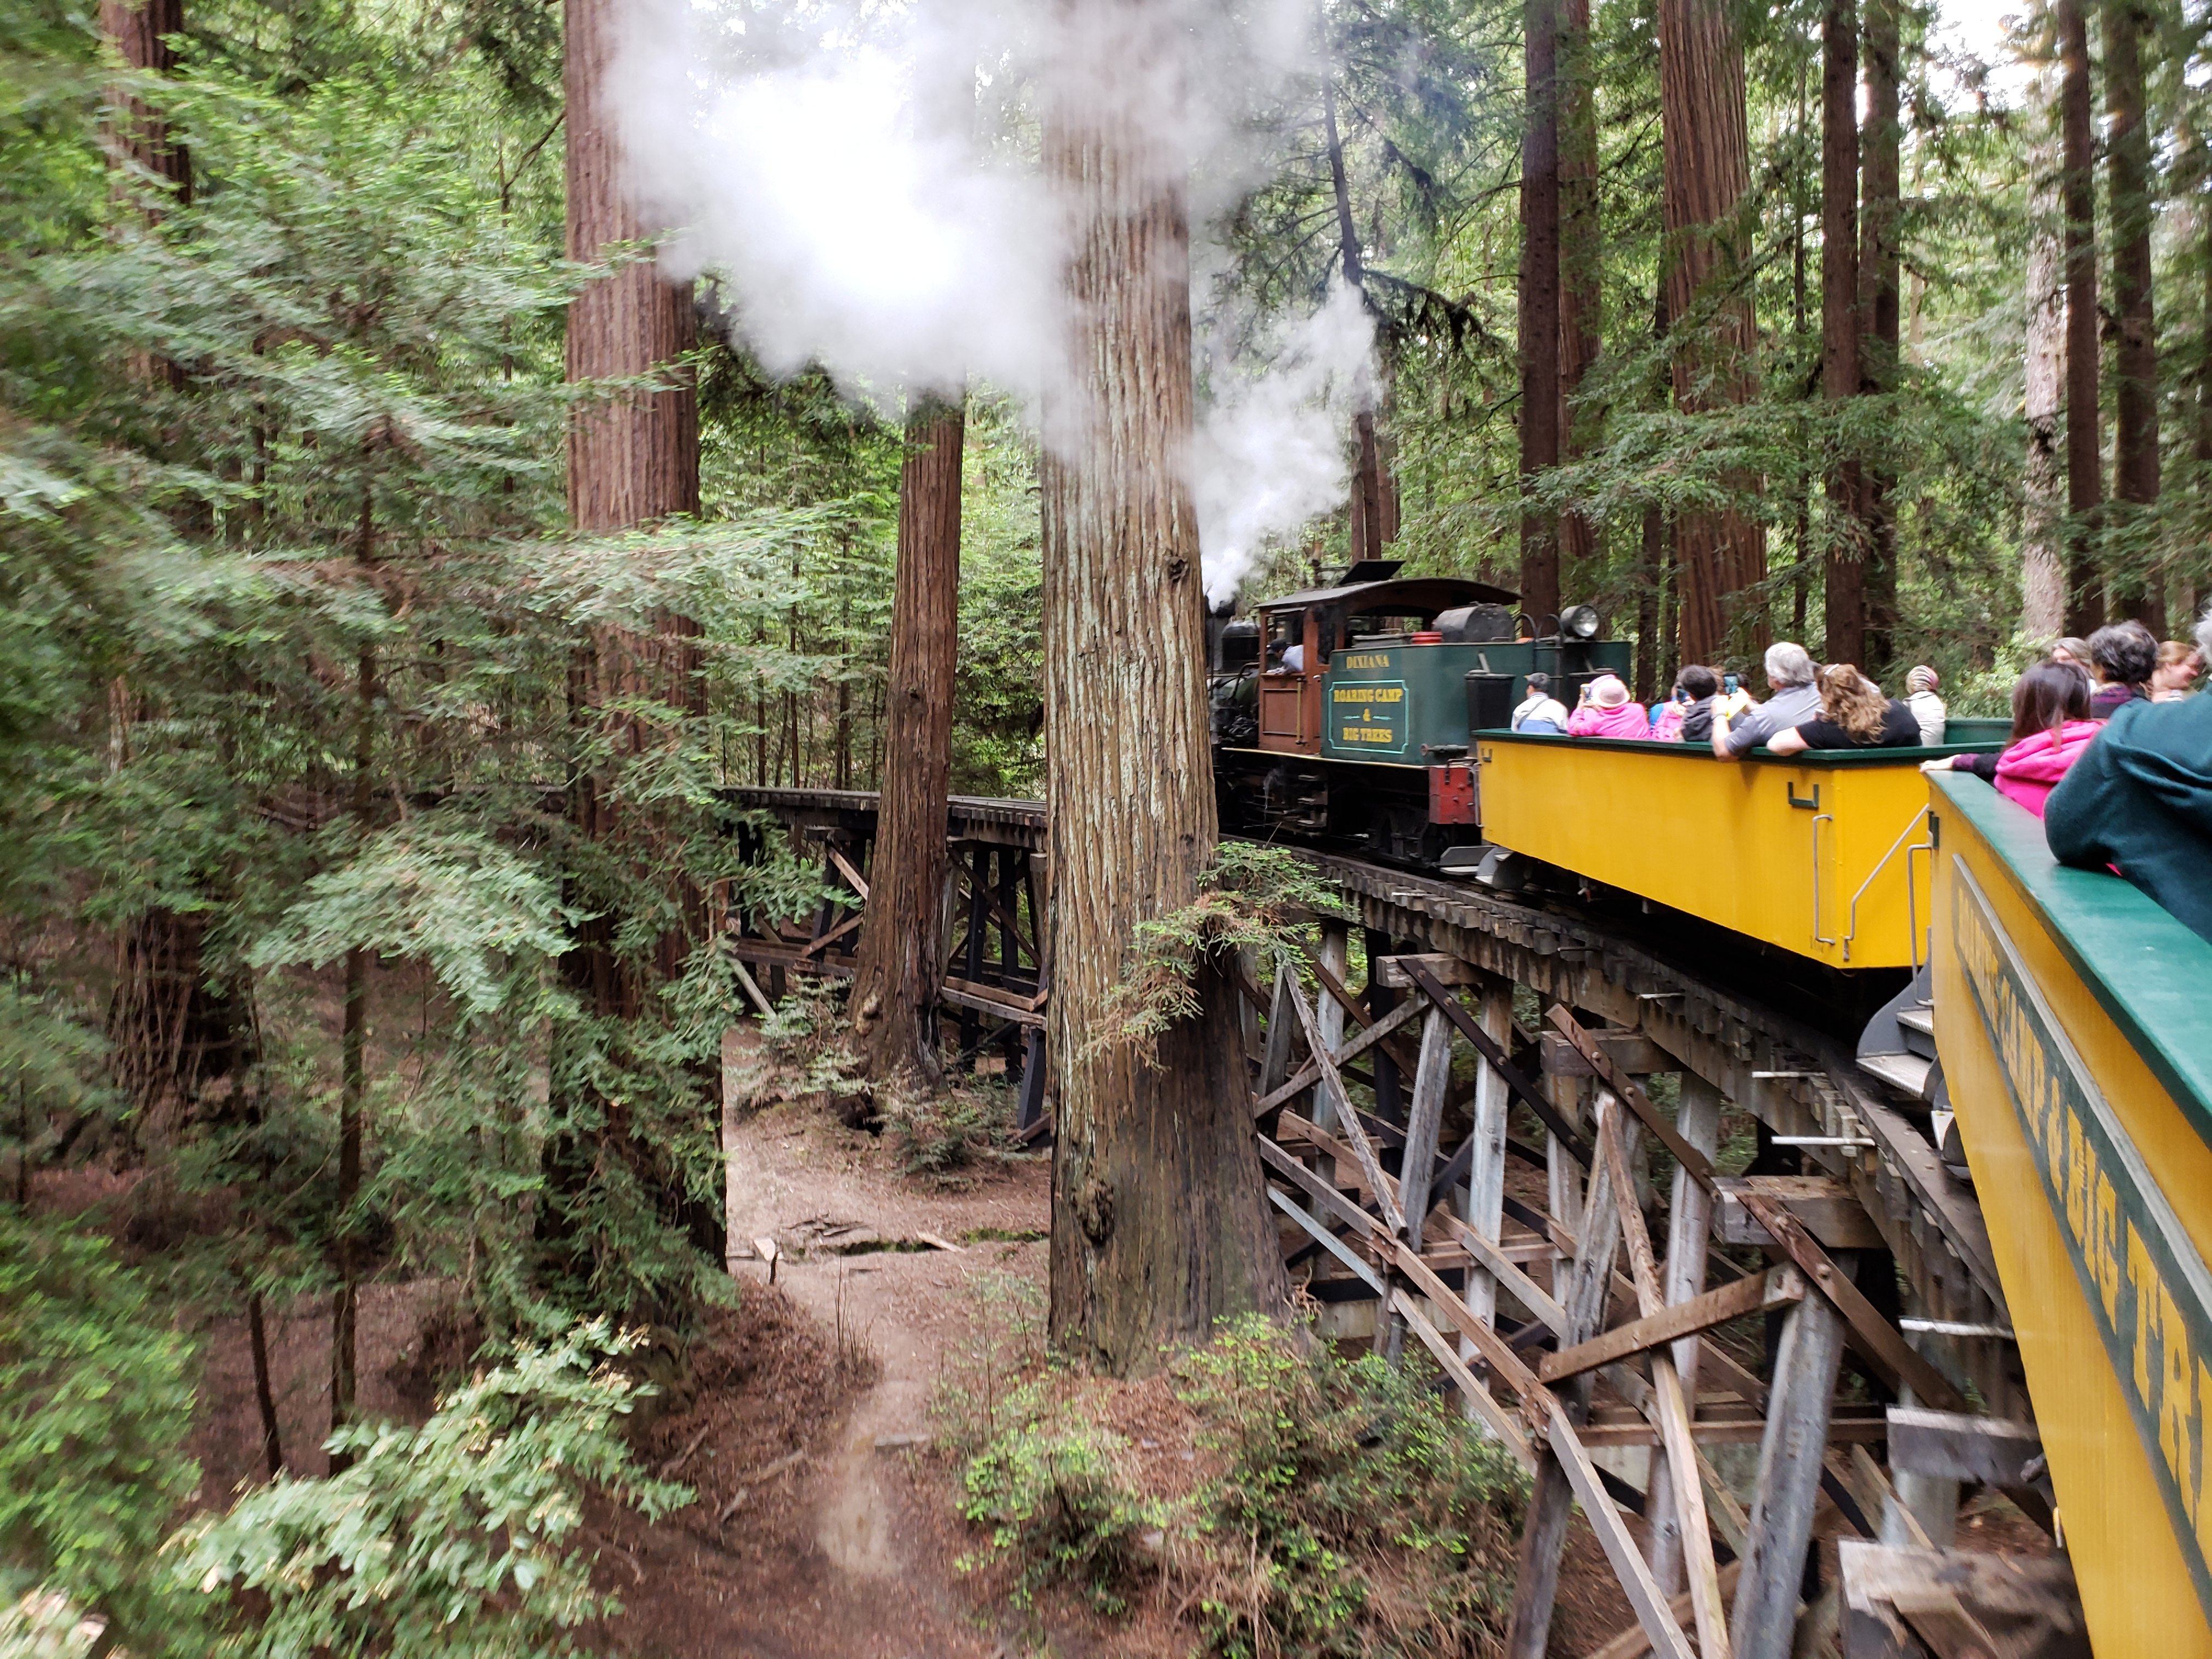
<point>1607,711</point>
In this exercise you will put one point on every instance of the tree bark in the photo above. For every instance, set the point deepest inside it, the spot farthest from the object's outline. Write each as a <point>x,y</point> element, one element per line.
<point>1707,172</point>
<point>1879,316</point>
<point>1581,266</point>
<point>1159,1225</point>
<point>352,1039</point>
<point>1371,516</point>
<point>2135,588</point>
<point>1540,306</point>
<point>902,946</point>
<point>1846,567</point>
<point>142,33</point>
<point>2085,604</point>
<point>635,458</point>
<point>2043,541</point>
<point>264,1396</point>
<point>632,460</point>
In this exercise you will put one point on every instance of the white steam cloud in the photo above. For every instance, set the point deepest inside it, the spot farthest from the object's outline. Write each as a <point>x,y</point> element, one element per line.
<point>860,180</point>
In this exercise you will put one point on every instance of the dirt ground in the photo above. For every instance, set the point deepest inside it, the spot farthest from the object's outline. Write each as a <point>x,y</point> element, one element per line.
<point>825,1526</point>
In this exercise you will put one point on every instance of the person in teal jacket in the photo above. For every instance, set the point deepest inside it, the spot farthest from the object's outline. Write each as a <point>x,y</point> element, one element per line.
<point>2139,799</point>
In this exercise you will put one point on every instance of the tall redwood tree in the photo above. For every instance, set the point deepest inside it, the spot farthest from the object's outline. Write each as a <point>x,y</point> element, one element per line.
<point>1539,303</point>
<point>2136,589</point>
<point>633,458</point>
<point>1707,169</point>
<point>2077,196</point>
<point>1840,321</point>
<point>1159,1224</point>
<point>902,947</point>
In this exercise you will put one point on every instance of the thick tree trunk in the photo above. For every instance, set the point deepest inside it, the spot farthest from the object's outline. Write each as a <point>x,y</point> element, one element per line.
<point>635,458</point>
<point>903,946</point>
<point>1846,568</point>
<point>1371,516</point>
<point>1582,267</point>
<point>2085,603</point>
<point>1878,317</point>
<point>2136,591</point>
<point>2043,540</point>
<point>632,460</point>
<point>142,35</point>
<point>1540,306</point>
<point>1708,170</point>
<point>1159,1226</point>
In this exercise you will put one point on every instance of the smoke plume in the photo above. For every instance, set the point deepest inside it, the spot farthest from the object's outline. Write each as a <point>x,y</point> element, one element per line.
<point>862,183</point>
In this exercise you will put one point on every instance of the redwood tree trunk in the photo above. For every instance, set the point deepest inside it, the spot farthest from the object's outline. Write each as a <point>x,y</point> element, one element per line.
<point>1708,171</point>
<point>142,35</point>
<point>1372,518</point>
<point>2136,591</point>
<point>903,946</point>
<point>1581,266</point>
<point>2085,604</point>
<point>1159,1225</point>
<point>1539,305</point>
<point>635,458</point>
<point>2043,530</point>
<point>1839,319</point>
<point>632,460</point>
<point>1878,317</point>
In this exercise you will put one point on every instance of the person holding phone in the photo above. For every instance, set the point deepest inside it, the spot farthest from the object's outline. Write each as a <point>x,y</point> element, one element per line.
<point>1795,699</point>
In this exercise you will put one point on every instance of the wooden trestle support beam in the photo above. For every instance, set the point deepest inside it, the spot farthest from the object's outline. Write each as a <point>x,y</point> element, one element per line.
<point>997,976</point>
<point>1391,1182</point>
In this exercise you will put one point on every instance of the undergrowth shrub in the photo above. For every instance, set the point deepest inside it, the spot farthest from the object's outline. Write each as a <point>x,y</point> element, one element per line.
<point>1057,1489</point>
<point>1353,1511</point>
<point>1341,1507</point>
<point>939,1135</point>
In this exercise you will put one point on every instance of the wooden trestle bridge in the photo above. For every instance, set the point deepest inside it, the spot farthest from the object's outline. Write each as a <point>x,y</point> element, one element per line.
<point>1468,1150</point>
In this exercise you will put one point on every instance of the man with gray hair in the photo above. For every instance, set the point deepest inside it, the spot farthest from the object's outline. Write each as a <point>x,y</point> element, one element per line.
<point>1795,699</point>
<point>2139,799</point>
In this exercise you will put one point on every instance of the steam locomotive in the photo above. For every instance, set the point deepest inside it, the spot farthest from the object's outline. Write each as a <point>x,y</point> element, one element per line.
<point>1343,714</point>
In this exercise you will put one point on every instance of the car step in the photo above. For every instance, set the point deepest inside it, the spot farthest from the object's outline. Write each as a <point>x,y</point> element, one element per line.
<point>1908,1074</point>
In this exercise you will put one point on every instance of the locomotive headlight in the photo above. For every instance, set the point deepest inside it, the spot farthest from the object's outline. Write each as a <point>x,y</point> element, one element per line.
<point>1579,622</point>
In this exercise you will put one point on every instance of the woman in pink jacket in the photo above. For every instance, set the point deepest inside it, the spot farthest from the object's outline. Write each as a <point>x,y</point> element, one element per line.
<point>2051,728</point>
<point>1606,711</point>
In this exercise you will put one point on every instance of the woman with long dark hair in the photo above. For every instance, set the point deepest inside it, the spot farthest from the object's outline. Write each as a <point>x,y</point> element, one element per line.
<point>2051,726</point>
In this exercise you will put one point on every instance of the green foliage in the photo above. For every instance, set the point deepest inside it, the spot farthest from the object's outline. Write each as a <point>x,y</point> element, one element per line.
<point>1250,897</point>
<point>461,1539</point>
<point>1345,1508</point>
<point>94,1465</point>
<point>1356,1510</point>
<point>1055,1488</point>
<point>466,905</point>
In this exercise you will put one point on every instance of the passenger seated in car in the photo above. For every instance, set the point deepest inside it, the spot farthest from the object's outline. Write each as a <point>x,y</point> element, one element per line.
<point>1541,713</point>
<point>1789,671</point>
<point>2123,657</point>
<point>1607,711</point>
<point>1688,715</point>
<point>2051,728</point>
<point>1854,715</point>
<point>2139,799</point>
<point>1927,706</point>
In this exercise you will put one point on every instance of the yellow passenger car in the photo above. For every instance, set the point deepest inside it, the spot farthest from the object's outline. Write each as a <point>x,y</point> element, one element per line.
<point>1824,853</point>
<point>2074,1018</point>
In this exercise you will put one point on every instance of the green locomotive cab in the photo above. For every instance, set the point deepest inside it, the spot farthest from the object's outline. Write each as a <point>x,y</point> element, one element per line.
<point>1345,711</point>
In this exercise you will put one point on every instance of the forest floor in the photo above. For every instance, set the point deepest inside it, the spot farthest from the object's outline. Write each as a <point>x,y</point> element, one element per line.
<point>826,1523</point>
